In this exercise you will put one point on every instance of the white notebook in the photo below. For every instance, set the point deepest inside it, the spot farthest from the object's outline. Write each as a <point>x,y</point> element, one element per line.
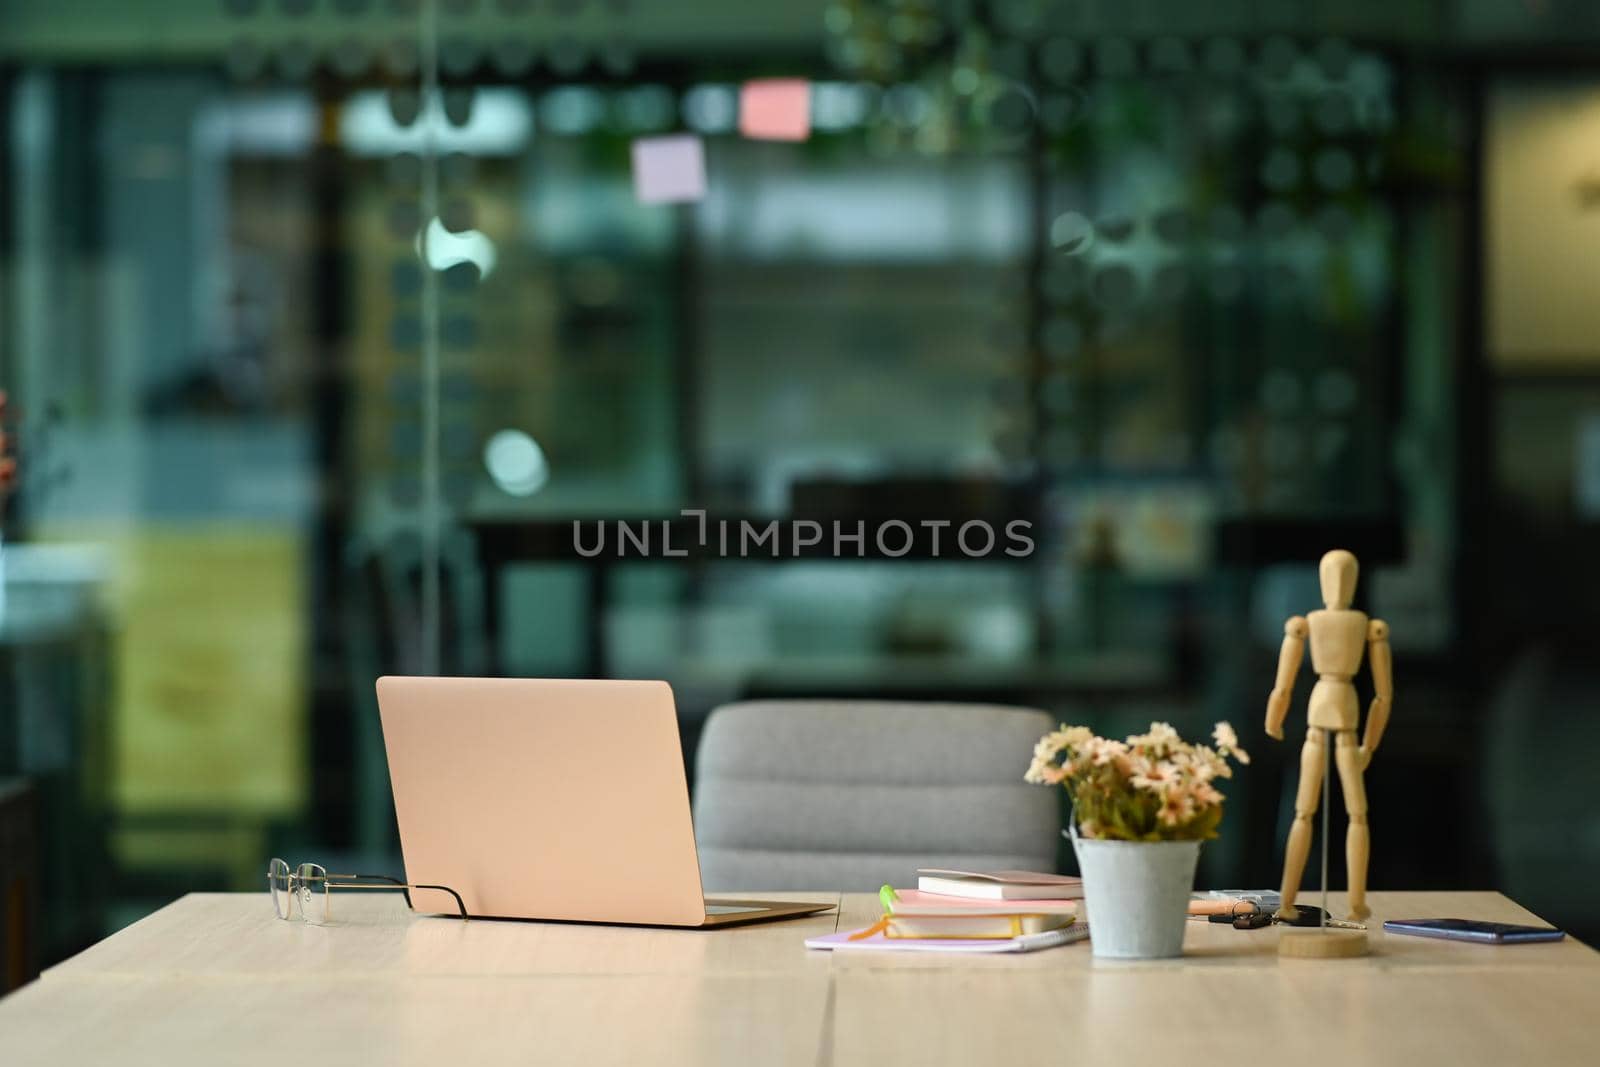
<point>999,885</point>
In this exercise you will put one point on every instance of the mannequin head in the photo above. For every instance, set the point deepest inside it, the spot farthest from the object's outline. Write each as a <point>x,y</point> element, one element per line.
<point>1338,573</point>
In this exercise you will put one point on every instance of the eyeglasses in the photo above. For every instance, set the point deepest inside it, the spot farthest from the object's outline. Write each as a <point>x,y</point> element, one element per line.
<point>307,887</point>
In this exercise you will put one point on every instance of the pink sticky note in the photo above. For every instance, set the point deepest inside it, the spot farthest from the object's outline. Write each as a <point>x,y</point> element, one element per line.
<point>775,109</point>
<point>669,170</point>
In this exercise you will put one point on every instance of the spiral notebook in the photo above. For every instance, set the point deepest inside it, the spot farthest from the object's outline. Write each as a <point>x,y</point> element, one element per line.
<point>879,943</point>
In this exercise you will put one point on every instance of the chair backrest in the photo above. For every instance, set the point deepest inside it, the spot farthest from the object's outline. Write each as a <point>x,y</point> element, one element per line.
<point>852,794</point>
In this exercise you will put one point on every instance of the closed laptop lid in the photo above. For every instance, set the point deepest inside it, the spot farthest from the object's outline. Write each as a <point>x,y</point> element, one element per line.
<point>543,799</point>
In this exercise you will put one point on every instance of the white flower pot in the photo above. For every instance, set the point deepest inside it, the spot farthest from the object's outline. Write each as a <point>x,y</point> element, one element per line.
<point>1136,895</point>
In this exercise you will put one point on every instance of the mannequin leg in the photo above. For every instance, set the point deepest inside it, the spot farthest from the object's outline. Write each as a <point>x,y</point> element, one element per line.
<point>1305,806</point>
<point>1357,842</point>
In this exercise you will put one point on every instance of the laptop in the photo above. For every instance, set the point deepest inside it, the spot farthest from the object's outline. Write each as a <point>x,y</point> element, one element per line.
<point>550,799</point>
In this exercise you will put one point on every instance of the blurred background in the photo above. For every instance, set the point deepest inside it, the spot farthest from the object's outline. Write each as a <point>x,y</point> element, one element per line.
<point>322,320</point>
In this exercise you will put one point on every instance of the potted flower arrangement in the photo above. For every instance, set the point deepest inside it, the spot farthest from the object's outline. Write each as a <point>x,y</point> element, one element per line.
<point>1140,809</point>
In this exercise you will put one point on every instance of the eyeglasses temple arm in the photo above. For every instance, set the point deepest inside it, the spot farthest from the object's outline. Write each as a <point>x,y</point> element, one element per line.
<point>392,881</point>
<point>445,889</point>
<point>395,883</point>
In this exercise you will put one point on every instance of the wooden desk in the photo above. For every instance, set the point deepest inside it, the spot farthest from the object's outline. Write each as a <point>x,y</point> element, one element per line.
<point>215,979</point>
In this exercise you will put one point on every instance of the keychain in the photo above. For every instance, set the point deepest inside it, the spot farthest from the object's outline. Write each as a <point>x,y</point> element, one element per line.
<point>1307,916</point>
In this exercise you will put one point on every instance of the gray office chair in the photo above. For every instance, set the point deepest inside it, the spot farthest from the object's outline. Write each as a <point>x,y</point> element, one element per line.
<point>808,794</point>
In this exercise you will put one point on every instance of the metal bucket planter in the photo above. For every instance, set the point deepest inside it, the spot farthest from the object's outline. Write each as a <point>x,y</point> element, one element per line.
<point>1136,894</point>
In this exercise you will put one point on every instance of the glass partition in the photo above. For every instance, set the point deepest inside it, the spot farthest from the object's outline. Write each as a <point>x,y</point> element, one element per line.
<point>332,328</point>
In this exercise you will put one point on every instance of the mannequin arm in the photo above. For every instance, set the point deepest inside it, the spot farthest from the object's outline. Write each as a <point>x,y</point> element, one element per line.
<point>1381,664</point>
<point>1294,644</point>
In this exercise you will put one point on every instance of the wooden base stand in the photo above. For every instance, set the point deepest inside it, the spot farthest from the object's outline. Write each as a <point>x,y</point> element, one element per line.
<point>1322,944</point>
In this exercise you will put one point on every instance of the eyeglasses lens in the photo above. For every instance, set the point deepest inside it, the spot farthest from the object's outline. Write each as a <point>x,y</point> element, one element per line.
<point>278,886</point>
<point>312,889</point>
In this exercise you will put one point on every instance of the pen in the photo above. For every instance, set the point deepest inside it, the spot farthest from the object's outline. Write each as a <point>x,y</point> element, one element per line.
<point>1223,907</point>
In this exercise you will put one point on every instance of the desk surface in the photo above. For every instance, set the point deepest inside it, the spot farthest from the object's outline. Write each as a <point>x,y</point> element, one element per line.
<point>216,979</point>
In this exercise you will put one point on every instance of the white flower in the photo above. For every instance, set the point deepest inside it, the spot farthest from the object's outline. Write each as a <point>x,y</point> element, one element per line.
<point>1207,765</point>
<point>1228,742</point>
<point>1075,738</point>
<point>1156,777</point>
<point>1042,771</point>
<point>1163,731</point>
<point>1102,750</point>
<point>1177,807</point>
<point>1160,738</point>
<point>1072,740</point>
<point>1127,777</point>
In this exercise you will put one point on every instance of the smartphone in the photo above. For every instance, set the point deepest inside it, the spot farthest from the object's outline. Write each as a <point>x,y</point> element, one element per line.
<point>1473,930</point>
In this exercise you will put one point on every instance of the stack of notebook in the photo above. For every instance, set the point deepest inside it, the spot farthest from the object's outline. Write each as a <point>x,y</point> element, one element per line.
<point>913,913</point>
<point>986,904</point>
<point>999,911</point>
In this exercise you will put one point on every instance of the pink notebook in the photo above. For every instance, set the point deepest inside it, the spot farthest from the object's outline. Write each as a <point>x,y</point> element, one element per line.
<point>915,902</point>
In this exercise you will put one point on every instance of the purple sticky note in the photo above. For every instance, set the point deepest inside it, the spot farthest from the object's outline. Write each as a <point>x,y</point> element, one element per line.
<point>775,109</point>
<point>669,170</point>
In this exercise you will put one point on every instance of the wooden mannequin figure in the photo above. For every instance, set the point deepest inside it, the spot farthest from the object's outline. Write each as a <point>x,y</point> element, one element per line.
<point>1338,635</point>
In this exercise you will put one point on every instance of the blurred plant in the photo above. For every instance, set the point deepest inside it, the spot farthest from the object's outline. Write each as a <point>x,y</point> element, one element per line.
<point>1152,787</point>
<point>948,83</point>
<point>880,39</point>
